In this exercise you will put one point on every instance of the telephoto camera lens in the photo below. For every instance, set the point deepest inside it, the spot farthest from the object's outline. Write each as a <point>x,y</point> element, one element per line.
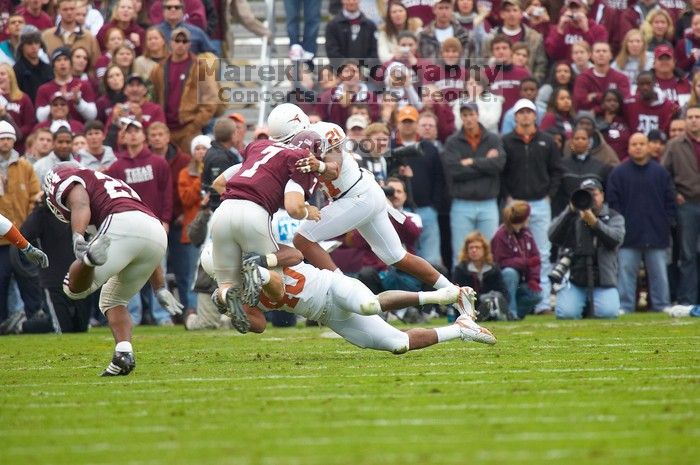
<point>557,274</point>
<point>582,199</point>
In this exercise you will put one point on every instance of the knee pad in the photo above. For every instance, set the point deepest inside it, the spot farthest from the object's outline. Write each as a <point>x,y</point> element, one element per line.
<point>371,306</point>
<point>75,295</point>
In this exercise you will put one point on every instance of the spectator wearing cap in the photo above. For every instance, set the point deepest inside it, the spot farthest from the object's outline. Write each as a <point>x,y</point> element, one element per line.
<point>647,110</point>
<point>334,103</point>
<point>62,151</point>
<point>533,173</point>
<point>590,85</point>
<point>511,14</point>
<point>642,191</point>
<point>19,191</point>
<point>673,84</point>
<point>219,157</point>
<point>688,47</point>
<point>682,160</point>
<point>657,143</point>
<point>474,159</point>
<point>186,92</point>
<point>578,164</point>
<point>351,35</point>
<point>79,94</point>
<point>96,156</point>
<point>69,34</point>
<point>34,15</point>
<point>605,229</point>
<point>15,106</point>
<point>124,19</point>
<point>8,47</point>
<point>443,27</point>
<point>174,19</point>
<point>30,69</point>
<point>528,90</point>
<point>514,249</point>
<point>574,25</point>
<point>241,130</point>
<point>59,116</point>
<point>504,77</point>
<point>136,105</point>
<point>355,127</point>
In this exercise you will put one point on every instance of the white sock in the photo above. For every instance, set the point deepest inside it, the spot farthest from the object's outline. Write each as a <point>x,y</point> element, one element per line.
<point>423,298</point>
<point>447,333</point>
<point>442,282</point>
<point>265,275</point>
<point>124,346</point>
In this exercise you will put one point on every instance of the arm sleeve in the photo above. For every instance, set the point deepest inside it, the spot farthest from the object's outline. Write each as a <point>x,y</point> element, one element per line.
<point>42,113</point>
<point>87,110</point>
<point>5,225</point>
<point>612,233</point>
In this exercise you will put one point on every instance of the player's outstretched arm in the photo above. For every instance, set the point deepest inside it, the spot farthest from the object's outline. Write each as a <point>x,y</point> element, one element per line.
<point>296,206</point>
<point>78,202</point>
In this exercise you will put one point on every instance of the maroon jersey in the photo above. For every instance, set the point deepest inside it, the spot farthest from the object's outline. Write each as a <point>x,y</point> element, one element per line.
<point>45,91</point>
<point>267,168</point>
<point>505,81</point>
<point>676,89</point>
<point>107,195</point>
<point>589,82</point>
<point>644,117</point>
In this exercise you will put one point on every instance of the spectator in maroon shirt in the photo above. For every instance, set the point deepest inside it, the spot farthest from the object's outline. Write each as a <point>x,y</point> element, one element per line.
<point>113,85</point>
<point>335,102</point>
<point>82,67</point>
<point>537,17</point>
<point>612,122</point>
<point>633,17</point>
<point>647,110</point>
<point>34,15</point>
<point>146,173</point>
<point>688,48</point>
<point>81,98</point>
<point>574,25</point>
<point>124,18</point>
<point>59,116</point>
<point>114,38</point>
<point>139,107</point>
<point>16,105</point>
<point>188,100</point>
<point>504,77</point>
<point>560,112</point>
<point>592,83</point>
<point>669,80</point>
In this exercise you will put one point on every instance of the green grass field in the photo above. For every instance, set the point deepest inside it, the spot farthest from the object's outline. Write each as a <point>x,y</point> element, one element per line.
<point>587,392</point>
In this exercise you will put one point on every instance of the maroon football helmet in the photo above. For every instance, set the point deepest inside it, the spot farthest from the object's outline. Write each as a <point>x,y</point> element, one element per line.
<point>308,140</point>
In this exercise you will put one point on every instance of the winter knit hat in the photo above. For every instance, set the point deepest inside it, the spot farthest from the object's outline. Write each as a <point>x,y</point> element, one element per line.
<point>200,140</point>
<point>7,130</point>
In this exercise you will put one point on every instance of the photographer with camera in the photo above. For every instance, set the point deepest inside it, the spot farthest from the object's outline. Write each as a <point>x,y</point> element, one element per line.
<point>592,233</point>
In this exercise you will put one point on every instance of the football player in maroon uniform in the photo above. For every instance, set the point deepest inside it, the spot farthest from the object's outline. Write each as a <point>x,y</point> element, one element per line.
<point>127,247</point>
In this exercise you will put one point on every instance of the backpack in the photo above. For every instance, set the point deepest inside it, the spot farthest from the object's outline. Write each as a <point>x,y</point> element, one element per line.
<point>492,306</point>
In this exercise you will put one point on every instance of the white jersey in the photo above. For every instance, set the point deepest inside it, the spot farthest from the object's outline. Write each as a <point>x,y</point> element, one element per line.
<point>350,173</point>
<point>306,292</point>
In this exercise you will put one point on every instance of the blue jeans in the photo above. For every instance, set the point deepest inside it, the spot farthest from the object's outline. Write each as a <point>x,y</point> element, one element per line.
<point>572,298</point>
<point>540,219</point>
<point>655,261</point>
<point>180,260</point>
<point>312,20</point>
<point>429,239</point>
<point>689,225</point>
<point>521,299</point>
<point>470,215</point>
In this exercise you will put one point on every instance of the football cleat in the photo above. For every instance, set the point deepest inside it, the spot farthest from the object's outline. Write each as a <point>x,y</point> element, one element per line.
<point>252,282</point>
<point>96,254</point>
<point>122,364</point>
<point>232,308</point>
<point>678,311</point>
<point>470,331</point>
<point>465,302</point>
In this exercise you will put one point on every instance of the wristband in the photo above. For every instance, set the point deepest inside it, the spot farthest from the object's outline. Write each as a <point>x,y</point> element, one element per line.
<point>306,214</point>
<point>321,167</point>
<point>271,260</point>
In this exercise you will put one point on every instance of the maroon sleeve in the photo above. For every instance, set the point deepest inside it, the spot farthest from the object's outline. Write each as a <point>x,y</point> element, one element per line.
<point>196,14</point>
<point>623,85</point>
<point>581,91</point>
<point>409,232</point>
<point>554,45</point>
<point>684,60</point>
<point>27,116</point>
<point>548,121</point>
<point>42,95</point>
<point>502,254</point>
<point>87,92</point>
<point>100,37</point>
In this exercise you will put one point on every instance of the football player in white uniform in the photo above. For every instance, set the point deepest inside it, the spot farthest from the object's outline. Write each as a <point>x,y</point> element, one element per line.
<point>357,202</point>
<point>350,309</point>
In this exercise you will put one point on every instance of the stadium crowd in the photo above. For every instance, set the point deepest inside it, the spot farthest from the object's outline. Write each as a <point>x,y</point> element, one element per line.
<point>481,120</point>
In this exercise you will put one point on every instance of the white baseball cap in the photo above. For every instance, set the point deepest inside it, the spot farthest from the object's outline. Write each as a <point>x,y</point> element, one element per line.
<point>524,103</point>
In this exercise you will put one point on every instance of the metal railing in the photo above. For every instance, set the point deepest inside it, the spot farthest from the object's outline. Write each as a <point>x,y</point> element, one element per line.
<point>266,57</point>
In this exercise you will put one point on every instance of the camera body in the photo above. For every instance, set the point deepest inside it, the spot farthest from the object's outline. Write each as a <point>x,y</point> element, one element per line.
<point>538,11</point>
<point>556,276</point>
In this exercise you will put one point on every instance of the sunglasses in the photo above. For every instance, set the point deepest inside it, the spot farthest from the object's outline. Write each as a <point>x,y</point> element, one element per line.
<point>181,41</point>
<point>172,7</point>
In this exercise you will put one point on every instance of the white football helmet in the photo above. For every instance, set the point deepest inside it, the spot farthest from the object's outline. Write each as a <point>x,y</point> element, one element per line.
<point>285,121</point>
<point>331,134</point>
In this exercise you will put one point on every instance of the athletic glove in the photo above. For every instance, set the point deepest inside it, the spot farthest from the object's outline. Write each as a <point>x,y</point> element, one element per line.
<point>80,246</point>
<point>169,302</point>
<point>36,256</point>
